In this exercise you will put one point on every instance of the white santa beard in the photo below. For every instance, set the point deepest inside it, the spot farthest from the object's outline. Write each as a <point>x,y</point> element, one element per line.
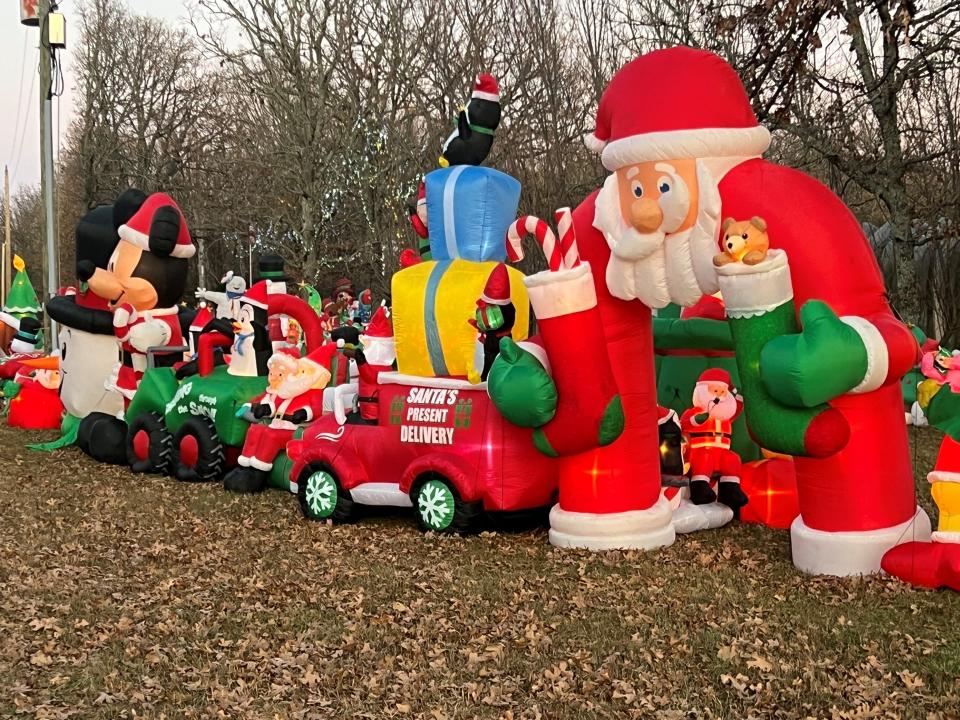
<point>297,385</point>
<point>658,268</point>
<point>724,410</point>
<point>704,234</point>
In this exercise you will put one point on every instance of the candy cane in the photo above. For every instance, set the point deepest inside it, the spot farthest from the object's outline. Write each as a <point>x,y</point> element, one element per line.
<point>542,232</point>
<point>568,238</point>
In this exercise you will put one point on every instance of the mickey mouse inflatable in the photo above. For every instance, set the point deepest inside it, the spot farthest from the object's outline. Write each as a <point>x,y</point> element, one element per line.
<point>142,285</point>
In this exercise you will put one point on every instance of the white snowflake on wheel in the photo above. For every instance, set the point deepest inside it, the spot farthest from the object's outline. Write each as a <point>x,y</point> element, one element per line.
<point>434,505</point>
<point>320,489</point>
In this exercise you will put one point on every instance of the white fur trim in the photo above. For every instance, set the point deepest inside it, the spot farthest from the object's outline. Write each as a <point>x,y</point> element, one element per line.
<point>243,461</point>
<point>945,537</point>
<point>393,378</point>
<point>851,553</point>
<point>480,95</point>
<point>633,529</point>
<point>553,294</point>
<point>878,358</point>
<point>671,416</point>
<point>730,479</point>
<point>750,290</point>
<point>142,240</point>
<point>260,464</point>
<point>538,351</point>
<point>593,143</point>
<point>943,476</point>
<point>698,143</point>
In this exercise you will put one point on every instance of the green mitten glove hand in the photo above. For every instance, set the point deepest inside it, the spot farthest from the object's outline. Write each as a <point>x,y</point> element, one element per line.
<point>825,360</point>
<point>11,389</point>
<point>943,410</point>
<point>521,389</point>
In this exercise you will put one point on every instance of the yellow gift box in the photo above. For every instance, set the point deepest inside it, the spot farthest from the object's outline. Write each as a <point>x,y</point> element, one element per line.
<point>432,304</point>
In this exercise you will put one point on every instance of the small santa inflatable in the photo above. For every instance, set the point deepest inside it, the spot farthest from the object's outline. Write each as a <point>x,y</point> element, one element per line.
<point>36,405</point>
<point>294,398</point>
<point>708,426</point>
<point>378,355</point>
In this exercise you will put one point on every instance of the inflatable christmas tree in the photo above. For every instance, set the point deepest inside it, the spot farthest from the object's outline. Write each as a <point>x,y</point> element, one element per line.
<point>22,299</point>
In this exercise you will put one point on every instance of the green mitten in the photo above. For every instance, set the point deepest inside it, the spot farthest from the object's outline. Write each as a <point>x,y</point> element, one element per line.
<point>520,387</point>
<point>11,389</point>
<point>825,360</point>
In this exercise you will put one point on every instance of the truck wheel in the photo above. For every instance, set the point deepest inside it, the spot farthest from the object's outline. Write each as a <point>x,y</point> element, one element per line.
<point>439,508</point>
<point>149,444</point>
<point>198,452</point>
<point>321,496</point>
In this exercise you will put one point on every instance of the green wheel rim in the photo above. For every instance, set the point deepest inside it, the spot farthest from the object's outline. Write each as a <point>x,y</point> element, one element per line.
<point>435,503</point>
<point>321,494</point>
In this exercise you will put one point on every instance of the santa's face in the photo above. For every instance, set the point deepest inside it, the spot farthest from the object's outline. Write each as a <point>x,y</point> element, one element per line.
<point>276,374</point>
<point>378,350</point>
<point>716,399</point>
<point>660,220</point>
<point>50,379</point>
<point>308,375</point>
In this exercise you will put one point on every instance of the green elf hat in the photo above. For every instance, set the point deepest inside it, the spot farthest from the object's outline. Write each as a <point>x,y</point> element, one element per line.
<point>22,298</point>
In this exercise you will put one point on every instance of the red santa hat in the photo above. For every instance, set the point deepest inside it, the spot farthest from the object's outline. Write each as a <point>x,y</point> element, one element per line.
<point>322,356</point>
<point>136,230</point>
<point>675,103</point>
<point>366,297</point>
<point>714,375</point>
<point>287,357</point>
<point>201,319</point>
<point>497,289</point>
<point>485,88</point>
<point>380,325</point>
<point>947,468</point>
<point>256,295</point>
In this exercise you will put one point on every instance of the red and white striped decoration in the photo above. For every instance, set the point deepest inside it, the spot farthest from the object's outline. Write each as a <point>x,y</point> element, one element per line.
<point>559,255</point>
<point>568,239</point>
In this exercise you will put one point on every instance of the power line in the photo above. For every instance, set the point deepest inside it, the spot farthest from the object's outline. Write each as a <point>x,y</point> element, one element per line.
<point>26,117</point>
<point>16,124</point>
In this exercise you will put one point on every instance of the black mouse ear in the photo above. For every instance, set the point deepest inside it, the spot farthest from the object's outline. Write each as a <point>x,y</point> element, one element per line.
<point>164,229</point>
<point>126,206</point>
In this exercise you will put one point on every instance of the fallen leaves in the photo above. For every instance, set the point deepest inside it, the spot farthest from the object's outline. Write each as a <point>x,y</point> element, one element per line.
<point>141,595</point>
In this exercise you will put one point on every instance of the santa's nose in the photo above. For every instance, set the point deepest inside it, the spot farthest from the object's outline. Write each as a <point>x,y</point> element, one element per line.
<point>646,215</point>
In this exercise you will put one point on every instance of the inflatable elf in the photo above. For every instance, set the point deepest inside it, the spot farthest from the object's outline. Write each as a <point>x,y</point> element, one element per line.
<point>22,299</point>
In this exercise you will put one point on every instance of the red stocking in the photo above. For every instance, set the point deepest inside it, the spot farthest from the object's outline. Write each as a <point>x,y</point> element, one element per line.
<point>589,412</point>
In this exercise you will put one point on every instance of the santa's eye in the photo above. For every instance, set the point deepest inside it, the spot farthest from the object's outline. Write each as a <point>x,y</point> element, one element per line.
<point>744,236</point>
<point>637,189</point>
<point>663,185</point>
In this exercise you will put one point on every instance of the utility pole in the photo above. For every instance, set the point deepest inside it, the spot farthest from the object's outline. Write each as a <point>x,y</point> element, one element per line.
<point>5,255</point>
<point>47,177</point>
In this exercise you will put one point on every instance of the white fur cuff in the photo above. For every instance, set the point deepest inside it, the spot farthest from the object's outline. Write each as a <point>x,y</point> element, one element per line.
<point>878,359</point>
<point>564,292</point>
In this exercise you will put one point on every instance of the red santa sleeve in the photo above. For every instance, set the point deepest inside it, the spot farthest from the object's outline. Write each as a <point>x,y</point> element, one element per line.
<point>830,259</point>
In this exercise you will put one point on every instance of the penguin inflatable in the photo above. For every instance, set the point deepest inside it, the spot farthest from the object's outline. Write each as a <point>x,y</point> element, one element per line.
<point>477,123</point>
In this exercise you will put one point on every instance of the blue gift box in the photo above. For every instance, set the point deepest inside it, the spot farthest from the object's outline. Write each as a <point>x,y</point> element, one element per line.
<point>468,212</point>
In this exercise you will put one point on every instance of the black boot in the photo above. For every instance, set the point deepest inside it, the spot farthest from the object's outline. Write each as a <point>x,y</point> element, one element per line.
<point>245,480</point>
<point>732,495</point>
<point>701,493</point>
<point>104,438</point>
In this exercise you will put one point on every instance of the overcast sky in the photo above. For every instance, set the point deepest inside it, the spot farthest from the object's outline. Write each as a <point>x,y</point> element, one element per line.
<point>19,141</point>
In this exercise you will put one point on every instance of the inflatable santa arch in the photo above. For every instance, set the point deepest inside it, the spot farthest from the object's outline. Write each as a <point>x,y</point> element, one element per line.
<point>676,131</point>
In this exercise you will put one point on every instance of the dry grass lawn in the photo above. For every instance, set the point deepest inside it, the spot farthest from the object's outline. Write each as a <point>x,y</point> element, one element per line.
<point>136,596</point>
